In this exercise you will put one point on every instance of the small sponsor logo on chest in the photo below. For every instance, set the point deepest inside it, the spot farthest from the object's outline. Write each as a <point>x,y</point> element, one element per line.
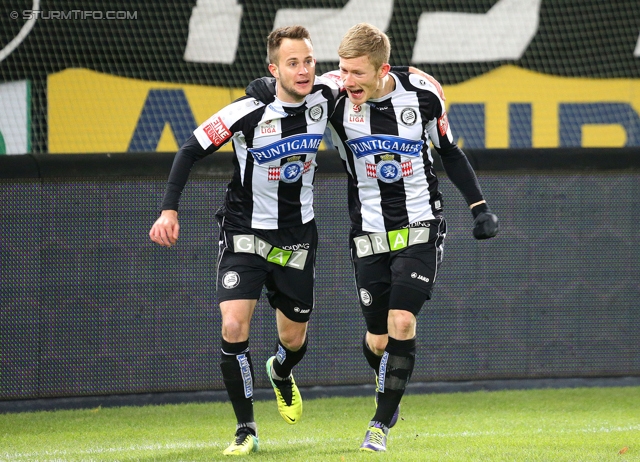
<point>357,114</point>
<point>270,127</point>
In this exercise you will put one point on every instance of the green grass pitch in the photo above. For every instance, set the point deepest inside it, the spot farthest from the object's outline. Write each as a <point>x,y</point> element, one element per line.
<point>546,425</point>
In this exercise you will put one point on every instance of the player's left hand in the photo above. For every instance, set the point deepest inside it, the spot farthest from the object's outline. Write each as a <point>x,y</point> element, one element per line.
<point>262,89</point>
<point>485,223</point>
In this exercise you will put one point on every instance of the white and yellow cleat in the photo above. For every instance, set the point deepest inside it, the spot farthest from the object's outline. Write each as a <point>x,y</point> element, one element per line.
<point>287,396</point>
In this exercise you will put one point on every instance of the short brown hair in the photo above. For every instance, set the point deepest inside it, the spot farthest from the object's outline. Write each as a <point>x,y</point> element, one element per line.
<point>274,40</point>
<point>366,40</point>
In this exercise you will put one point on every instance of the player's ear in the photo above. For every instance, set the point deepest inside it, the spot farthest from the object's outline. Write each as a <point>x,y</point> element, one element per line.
<point>384,70</point>
<point>274,70</point>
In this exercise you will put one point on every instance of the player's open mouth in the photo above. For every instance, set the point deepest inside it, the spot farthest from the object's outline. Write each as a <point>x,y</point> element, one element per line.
<point>356,93</point>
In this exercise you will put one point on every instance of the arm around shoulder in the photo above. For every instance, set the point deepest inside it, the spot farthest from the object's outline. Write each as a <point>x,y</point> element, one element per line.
<point>430,78</point>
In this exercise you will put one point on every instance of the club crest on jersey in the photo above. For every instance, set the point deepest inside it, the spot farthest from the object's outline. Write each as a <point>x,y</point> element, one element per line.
<point>381,144</point>
<point>408,116</point>
<point>389,170</point>
<point>289,172</point>
<point>316,112</point>
<point>270,127</point>
<point>306,143</point>
<point>357,113</point>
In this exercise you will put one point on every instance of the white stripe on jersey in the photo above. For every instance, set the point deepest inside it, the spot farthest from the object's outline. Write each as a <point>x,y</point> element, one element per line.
<point>275,153</point>
<point>416,186</point>
<point>411,129</point>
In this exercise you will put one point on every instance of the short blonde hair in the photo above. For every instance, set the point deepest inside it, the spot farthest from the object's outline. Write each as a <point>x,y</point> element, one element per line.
<point>275,38</point>
<point>366,40</point>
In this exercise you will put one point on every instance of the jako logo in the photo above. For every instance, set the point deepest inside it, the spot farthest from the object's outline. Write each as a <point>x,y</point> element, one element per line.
<point>419,276</point>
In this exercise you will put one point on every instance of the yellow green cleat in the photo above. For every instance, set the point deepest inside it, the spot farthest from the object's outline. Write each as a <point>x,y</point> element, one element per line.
<point>245,443</point>
<point>287,396</point>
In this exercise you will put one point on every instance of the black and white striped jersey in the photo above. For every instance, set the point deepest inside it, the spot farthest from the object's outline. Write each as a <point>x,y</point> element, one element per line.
<point>385,148</point>
<point>275,149</point>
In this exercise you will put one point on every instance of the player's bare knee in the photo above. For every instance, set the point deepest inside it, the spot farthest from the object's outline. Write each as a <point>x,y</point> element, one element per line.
<point>377,343</point>
<point>292,340</point>
<point>402,324</point>
<point>234,330</point>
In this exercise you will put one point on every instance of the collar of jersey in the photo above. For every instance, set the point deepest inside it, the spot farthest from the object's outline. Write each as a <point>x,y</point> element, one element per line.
<point>388,95</point>
<point>280,109</point>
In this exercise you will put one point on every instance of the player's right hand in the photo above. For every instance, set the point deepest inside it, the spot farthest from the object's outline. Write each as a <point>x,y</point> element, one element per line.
<point>166,229</point>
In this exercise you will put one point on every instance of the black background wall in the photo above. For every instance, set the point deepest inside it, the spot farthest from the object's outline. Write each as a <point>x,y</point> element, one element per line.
<point>90,306</point>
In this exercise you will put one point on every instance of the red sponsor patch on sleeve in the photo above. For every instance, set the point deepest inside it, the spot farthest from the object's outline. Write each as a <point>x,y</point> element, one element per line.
<point>443,124</point>
<point>334,76</point>
<point>217,131</point>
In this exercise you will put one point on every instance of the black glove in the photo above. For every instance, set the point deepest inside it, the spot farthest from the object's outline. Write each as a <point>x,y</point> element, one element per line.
<point>262,89</point>
<point>485,223</point>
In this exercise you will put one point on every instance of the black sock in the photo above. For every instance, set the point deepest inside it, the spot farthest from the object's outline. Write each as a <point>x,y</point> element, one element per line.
<point>237,374</point>
<point>244,427</point>
<point>287,359</point>
<point>396,367</point>
<point>372,358</point>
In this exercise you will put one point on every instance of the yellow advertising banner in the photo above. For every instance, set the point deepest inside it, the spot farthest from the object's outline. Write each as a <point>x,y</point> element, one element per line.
<point>553,111</point>
<point>90,112</point>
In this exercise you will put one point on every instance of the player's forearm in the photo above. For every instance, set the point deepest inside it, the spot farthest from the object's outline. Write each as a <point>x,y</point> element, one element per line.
<point>462,175</point>
<point>186,156</point>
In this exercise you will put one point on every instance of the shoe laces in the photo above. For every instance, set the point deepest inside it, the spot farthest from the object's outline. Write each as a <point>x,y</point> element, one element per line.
<point>242,438</point>
<point>376,436</point>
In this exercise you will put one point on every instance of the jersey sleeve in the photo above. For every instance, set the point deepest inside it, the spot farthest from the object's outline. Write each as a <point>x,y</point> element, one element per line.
<point>210,136</point>
<point>332,88</point>
<point>190,152</point>
<point>454,160</point>
<point>218,129</point>
<point>332,80</point>
<point>332,76</point>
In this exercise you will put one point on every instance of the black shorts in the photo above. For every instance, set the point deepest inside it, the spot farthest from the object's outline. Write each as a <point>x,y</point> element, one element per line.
<point>282,260</point>
<point>396,279</point>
